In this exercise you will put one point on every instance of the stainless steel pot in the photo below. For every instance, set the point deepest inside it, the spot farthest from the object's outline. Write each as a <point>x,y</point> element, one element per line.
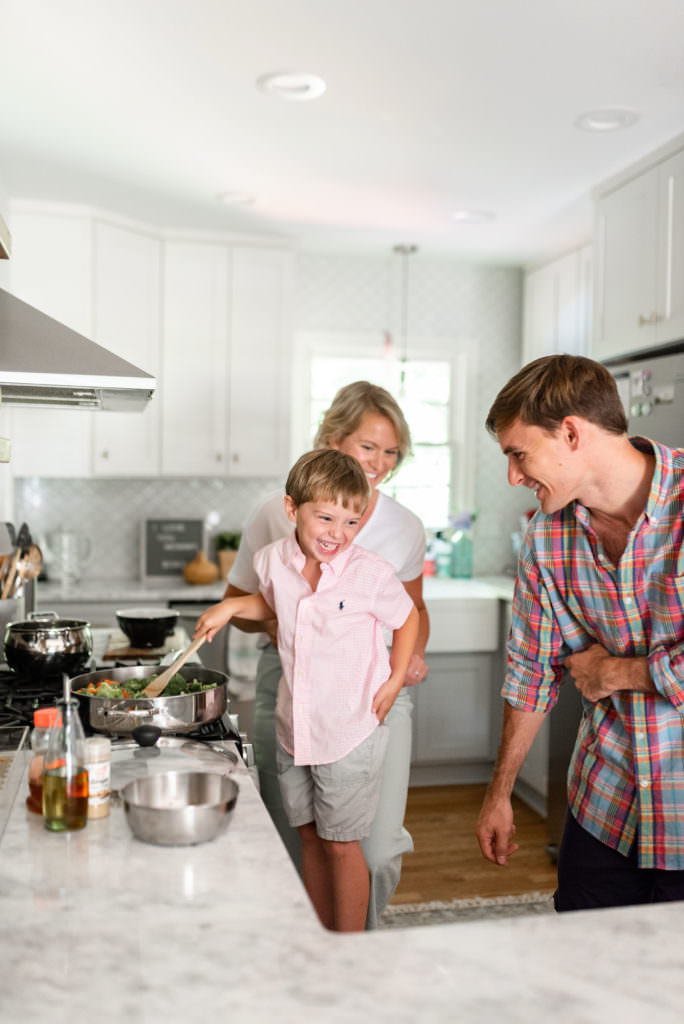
<point>120,716</point>
<point>179,808</point>
<point>45,645</point>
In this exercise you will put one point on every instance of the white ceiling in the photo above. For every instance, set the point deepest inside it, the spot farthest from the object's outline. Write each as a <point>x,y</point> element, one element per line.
<point>149,107</point>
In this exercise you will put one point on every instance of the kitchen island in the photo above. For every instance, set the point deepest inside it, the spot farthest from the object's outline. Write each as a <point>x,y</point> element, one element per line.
<point>96,925</point>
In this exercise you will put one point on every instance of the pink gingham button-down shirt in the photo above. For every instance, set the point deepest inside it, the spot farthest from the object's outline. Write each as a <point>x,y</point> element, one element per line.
<point>331,645</point>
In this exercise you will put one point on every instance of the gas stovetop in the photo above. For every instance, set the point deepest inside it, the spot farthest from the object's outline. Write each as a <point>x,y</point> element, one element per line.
<point>20,696</point>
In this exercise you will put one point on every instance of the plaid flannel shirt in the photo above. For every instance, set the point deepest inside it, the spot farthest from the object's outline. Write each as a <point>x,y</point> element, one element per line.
<point>626,775</point>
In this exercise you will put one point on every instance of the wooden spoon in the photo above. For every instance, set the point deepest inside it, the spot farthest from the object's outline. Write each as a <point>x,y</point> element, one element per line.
<point>154,688</point>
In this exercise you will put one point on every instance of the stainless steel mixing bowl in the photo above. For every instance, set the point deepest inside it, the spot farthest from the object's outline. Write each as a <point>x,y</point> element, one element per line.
<point>179,808</point>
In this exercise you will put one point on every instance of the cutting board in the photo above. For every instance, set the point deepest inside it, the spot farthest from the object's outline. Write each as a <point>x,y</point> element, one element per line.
<point>118,646</point>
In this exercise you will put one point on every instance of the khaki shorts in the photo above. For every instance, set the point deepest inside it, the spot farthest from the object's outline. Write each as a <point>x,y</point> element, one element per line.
<point>341,798</point>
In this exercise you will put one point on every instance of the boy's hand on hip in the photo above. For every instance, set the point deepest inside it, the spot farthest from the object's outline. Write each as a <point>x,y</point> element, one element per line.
<point>385,697</point>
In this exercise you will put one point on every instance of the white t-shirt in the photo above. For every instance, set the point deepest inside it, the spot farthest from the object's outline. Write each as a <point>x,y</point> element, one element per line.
<point>392,532</point>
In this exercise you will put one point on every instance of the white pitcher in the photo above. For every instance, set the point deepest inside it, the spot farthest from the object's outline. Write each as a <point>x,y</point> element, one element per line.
<point>69,551</point>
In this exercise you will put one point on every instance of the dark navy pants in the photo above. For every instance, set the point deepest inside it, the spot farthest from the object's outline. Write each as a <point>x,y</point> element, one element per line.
<point>591,874</point>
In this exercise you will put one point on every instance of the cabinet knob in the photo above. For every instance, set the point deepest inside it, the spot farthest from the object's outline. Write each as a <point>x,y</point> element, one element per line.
<point>236,457</point>
<point>219,457</point>
<point>105,455</point>
<point>649,321</point>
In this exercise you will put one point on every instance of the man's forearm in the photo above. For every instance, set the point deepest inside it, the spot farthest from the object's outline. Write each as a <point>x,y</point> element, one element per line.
<point>517,735</point>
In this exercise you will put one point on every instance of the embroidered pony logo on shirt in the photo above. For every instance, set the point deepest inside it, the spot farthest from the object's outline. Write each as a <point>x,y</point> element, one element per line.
<point>341,605</point>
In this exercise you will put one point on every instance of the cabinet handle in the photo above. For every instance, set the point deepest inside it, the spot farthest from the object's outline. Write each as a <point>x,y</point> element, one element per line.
<point>649,321</point>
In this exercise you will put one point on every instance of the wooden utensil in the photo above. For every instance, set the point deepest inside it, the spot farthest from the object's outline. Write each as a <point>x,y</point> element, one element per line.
<point>8,585</point>
<point>159,684</point>
<point>30,563</point>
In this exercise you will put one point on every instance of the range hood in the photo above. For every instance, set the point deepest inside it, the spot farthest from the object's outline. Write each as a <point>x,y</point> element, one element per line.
<point>43,363</point>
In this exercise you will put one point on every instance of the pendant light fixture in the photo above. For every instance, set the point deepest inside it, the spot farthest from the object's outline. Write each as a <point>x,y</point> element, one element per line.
<point>405,251</point>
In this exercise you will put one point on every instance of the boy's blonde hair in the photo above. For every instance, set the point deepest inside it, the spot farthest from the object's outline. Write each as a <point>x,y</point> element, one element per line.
<point>328,475</point>
<point>347,410</point>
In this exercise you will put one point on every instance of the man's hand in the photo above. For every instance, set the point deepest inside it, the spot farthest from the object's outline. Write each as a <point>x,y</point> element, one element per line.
<point>589,671</point>
<point>495,829</point>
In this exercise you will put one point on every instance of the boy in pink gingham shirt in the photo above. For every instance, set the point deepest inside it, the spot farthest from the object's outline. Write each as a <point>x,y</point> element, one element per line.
<point>332,599</point>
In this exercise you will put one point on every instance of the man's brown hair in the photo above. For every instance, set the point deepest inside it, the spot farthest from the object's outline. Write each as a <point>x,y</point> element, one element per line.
<point>547,390</point>
<point>328,475</point>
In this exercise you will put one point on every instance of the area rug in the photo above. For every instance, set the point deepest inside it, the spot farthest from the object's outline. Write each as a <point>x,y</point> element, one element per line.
<point>478,908</point>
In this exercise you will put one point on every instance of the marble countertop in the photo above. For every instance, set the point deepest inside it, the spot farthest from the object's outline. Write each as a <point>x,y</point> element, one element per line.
<point>97,925</point>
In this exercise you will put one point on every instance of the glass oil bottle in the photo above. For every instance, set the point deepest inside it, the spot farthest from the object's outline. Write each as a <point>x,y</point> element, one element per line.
<point>65,775</point>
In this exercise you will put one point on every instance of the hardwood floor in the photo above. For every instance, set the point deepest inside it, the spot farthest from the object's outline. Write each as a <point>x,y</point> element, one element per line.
<point>447,864</point>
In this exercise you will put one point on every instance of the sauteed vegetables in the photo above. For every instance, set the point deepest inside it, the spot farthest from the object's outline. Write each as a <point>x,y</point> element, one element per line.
<point>178,686</point>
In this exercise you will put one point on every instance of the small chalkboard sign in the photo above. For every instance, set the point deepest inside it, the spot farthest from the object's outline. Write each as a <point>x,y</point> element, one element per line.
<point>167,545</point>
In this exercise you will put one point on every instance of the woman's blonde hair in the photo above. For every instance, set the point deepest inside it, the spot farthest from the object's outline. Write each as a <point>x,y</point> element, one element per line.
<point>347,410</point>
<point>328,475</point>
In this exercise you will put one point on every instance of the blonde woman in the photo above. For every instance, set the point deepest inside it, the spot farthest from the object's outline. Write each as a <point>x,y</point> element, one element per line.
<point>366,422</point>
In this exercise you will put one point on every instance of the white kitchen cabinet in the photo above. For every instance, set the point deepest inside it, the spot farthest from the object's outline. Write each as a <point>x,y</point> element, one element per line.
<point>452,718</point>
<point>127,290</point>
<point>226,364</point>
<point>193,385</point>
<point>557,306</point>
<point>51,269</point>
<point>260,357</point>
<point>639,274</point>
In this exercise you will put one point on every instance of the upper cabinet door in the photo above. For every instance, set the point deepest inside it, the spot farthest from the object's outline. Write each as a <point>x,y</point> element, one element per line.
<point>626,268</point>
<point>670,303</point>
<point>259,363</point>
<point>557,301</point>
<point>128,322</point>
<point>193,385</point>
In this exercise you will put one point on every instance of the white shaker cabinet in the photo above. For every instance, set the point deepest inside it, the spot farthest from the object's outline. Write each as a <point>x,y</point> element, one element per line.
<point>639,274</point>
<point>453,710</point>
<point>127,290</point>
<point>193,383</point>
<point>261,286</point>
<point>50,269</point>
<point>557,306</point>
<point>225,382</point>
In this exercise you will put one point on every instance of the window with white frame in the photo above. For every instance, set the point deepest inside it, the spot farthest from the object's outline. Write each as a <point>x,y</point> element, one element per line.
<point>432,392</point>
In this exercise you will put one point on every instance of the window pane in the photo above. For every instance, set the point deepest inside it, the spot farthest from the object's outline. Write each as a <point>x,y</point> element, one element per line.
<point>430,504</point>
<point>423,482</point>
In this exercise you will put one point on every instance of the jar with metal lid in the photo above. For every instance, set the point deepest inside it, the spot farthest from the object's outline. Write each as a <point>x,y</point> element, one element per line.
<point>43,718</point>
<point>98,752</point>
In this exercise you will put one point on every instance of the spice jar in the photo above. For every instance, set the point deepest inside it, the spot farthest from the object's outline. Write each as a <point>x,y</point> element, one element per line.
<point>43,718</point>
<point>98,751</point>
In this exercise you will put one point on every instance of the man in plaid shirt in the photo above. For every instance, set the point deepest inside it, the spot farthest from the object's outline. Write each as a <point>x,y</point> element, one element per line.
<point>599,593</point>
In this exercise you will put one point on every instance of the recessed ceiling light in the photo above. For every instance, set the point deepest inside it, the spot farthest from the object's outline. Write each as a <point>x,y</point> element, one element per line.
<point>473,216</point>
<point>292,85</point>
<point>235,198</point>
<point>606,119</point>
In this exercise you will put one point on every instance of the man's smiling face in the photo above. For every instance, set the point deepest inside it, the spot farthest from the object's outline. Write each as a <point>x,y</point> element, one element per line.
<point>541,461</point>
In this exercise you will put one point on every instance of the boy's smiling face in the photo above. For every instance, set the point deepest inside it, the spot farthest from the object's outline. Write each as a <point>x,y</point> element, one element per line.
<point>324,528</point>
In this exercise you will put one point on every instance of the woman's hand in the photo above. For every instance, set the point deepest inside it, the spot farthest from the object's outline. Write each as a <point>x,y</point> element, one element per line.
<point>416,671</point>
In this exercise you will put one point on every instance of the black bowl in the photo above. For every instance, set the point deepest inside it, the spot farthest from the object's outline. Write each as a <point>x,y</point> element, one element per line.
<point>147,627</point>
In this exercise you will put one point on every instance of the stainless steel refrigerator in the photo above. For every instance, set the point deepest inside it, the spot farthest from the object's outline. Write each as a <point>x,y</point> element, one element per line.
<point>652,392</point>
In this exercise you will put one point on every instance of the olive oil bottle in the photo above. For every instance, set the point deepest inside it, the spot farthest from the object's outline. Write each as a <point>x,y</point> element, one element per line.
<point>65,776</point>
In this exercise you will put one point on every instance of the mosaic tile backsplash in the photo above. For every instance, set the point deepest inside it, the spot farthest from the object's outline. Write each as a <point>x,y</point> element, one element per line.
<point>480,306</point>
